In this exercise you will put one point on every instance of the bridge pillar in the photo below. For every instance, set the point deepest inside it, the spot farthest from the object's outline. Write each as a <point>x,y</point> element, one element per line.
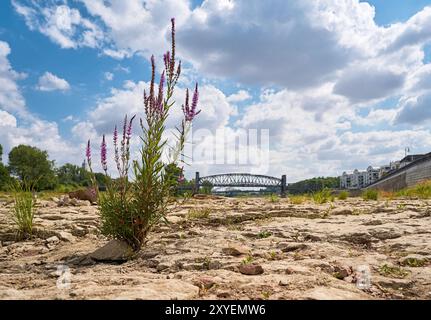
<point>197,184</point>
<point>283,185</point>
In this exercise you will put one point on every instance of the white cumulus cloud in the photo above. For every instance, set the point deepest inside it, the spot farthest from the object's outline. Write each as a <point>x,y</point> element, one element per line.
<point>50,82</point>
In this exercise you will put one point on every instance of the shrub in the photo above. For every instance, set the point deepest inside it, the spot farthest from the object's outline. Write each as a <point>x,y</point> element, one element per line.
<point>322,196</point>
<point>274,198</point>
<point>343,195</point>
<point>129,210</point>
<point>297,199</point>
<point>421,190</point>
<point>370,194</point>
<point>264,234</point>
<point>23,208</point>
<point>198,213</point>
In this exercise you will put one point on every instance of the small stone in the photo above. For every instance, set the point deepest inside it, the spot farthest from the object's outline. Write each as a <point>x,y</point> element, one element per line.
<point>214,265</point>
<point>65,236</point>
<point>223,295</point>
<point>205,282</point>
<point>251,269</point>
<point>52,239</point>
<point>342,272</point>
<point>289,247</point>
<point>235,251</point>
<point>114,250</point>
<point>74,202</point>
<point>44,250</point>
<point>283,283</point>
<point>341,211</point>
<point>55,199</point>
<point>161,267</point>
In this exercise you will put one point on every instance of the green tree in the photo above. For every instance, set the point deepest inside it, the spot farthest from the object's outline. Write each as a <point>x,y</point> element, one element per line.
<point>314,185</point>
<point>4,173</point>
<point>70,174</point>
<point>32,165</point>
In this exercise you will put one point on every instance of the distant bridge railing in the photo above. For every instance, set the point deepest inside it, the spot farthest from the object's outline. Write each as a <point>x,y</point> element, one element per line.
<point>241,180</point>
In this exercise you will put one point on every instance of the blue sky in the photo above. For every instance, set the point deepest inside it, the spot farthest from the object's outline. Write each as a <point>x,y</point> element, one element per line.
<point>339,84</point>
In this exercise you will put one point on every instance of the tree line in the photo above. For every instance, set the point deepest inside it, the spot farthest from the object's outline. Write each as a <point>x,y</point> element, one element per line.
<point>32,165</point>
<point>314,185</point>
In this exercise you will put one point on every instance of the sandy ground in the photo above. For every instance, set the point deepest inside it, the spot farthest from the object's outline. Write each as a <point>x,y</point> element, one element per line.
<point>305,251</point>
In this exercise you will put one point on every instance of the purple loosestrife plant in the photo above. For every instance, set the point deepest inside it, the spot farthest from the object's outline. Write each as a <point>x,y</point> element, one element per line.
<point>130,209</point>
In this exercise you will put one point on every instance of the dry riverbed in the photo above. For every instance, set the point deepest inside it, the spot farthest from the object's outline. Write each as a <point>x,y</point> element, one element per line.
<point>244,249</point>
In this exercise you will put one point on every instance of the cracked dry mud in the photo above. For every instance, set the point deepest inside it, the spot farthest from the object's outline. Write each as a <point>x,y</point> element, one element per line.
<point>306,251</point>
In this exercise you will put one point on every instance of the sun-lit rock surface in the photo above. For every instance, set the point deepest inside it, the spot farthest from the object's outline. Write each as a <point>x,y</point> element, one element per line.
<point>305,251</point>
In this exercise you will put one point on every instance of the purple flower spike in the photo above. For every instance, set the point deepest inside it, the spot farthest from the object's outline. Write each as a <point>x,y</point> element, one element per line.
<point>167,60</point>
<point>129,128</point>
<point>124,130</point>
<point>103,155</point>
<point>190,112</point>
<point>115,135</point>
<point>88,154</point>
<point>160,97</point>
<point>195,99</point>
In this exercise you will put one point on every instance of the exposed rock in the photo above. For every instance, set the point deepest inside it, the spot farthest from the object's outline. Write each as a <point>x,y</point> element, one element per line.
<point>88,194</point>
<point>205,282</point>
<point>363,238</point>
<point>160,267</point>
<point>289,247</point>
<point>193,252</point>
<point>53,239</point>
<point>235,250</point>
<point>394,284</point>
<point>325,293</point>
<point>283,283</point>
<point>385,234</point>
<point>250,269</point>
<point>113,251</point>
<point>65,236</point>
<point>341,272</point>
<point>341,211</point>
<point>223,295</point>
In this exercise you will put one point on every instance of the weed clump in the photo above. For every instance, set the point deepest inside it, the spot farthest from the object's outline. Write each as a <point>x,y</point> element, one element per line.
<point>322,196</point>
<point>343,195</point>
<point>421,191</point>
<point>370,195</point>
<point>24,208</point>
<point>195,214</point>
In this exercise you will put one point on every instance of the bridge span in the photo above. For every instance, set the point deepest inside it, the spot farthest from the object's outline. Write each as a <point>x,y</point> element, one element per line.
<point>242,180</point>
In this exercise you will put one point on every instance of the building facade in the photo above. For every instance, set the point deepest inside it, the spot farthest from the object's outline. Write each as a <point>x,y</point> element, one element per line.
<point>359,179</point>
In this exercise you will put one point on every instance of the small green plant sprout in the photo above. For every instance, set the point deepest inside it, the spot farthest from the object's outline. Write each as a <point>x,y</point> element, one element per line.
<point>266,295</point>
<point>264,234</point>
<point>24,207</point>
<point>248,259</point>
<point>401,206</point>
<point>343,195</point>
<point>274,198</point>
<point>393,271</point>
<point>370,195</point>
<point>201,213</point>
<point>273,255</point>
<point>322,196</point>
